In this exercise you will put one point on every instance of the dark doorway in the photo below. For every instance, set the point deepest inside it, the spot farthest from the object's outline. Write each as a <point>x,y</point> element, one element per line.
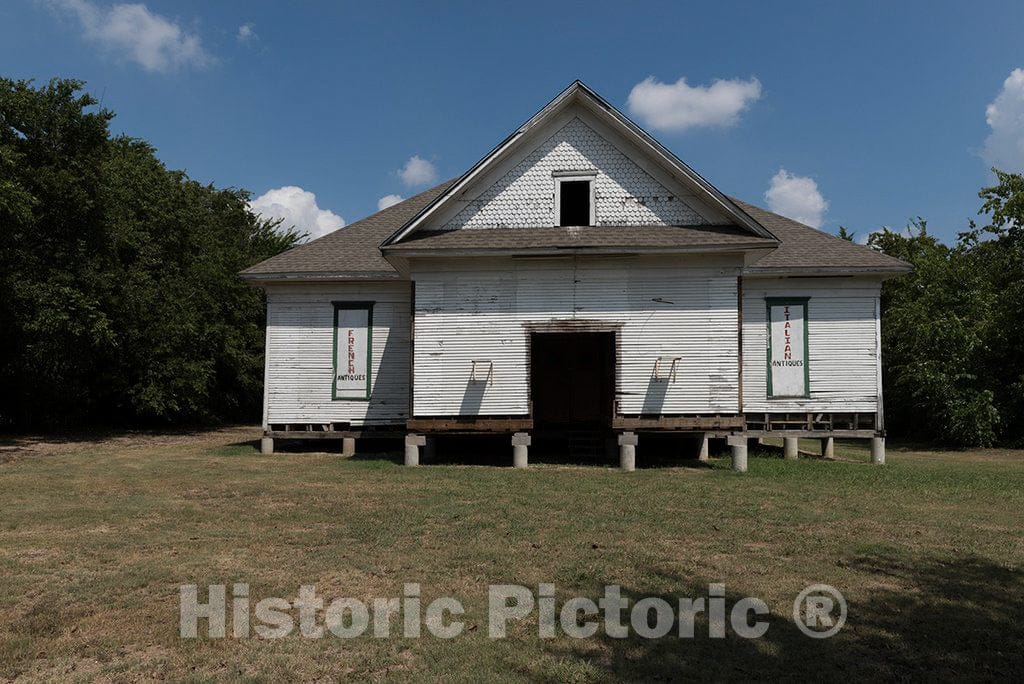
<point>572,386</point>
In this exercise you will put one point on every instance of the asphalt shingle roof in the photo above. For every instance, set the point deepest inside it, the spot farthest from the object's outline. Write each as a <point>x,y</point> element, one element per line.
<point>354,251</point>
<point>583,237</point>
<point>806,248</point>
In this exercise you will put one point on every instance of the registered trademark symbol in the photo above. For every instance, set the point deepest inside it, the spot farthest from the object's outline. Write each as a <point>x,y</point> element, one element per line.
<point>819,611</point>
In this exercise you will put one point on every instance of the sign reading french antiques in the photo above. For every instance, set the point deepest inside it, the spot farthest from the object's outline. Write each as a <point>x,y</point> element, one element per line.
<point>787,348</point>
<point>353,323</point>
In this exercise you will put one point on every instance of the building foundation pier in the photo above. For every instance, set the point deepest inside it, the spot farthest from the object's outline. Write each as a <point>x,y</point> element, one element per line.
<point>627,451</point>
<point>520,449</point>
<point>412,448</point>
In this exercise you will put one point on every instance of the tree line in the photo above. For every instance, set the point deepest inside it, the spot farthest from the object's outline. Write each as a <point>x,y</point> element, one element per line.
<point>120,302</point>
<point>953,329</point>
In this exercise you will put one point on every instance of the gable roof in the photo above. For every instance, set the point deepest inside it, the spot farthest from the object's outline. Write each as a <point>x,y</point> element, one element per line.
<point>349,252</point>
<point>777,244</point>
<point>580,93</point>
<point>354,252</point>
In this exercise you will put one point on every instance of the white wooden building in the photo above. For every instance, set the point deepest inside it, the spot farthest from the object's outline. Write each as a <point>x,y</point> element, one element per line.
<point>579,282</point>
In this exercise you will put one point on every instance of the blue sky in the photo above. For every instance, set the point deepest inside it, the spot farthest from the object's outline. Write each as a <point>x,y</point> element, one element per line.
<point>878,109</point>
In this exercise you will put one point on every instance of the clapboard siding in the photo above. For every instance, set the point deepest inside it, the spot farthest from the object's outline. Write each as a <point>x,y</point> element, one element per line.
<point>842,348</point>
<point>666,308</point>
<point>300,320</point>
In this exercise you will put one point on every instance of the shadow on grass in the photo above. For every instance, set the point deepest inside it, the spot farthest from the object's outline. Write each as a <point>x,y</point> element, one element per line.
<point>959,618</point>
<point>654,451</point>
<point>246,447</point>
<point>896,444</point>
<point>100,434</point>
<point>367,448</point>
<point>379,450</point>
<point>481,450</point>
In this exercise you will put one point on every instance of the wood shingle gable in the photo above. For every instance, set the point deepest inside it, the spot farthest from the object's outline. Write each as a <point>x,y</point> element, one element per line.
<point>579,102</point>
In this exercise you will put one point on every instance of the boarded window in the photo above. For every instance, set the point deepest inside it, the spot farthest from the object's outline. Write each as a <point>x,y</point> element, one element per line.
<point>574,203</point>
<point>788,372</point>
<point>353,344</point>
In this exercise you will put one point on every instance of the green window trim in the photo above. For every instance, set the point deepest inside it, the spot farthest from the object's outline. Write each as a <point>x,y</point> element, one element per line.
<point>788,301</point>
<point>353,306</point>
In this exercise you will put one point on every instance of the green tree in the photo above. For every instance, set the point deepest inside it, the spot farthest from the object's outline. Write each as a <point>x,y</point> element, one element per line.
<point>953,355</point>
<point>119,295</point>
<point>997,250</point>
<point>933,342</point>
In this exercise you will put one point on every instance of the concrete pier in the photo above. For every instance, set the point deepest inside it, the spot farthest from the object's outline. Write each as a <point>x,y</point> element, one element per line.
<point>412,449</point>
<point>705,451</point>
<point>738,443</point>
<point>828,448</point>
<point>790,446</point>
<point>521,449</point>
<point>627,451</point>
<point>267,445</point>
<point>878,450</point>
<point>348,446</point>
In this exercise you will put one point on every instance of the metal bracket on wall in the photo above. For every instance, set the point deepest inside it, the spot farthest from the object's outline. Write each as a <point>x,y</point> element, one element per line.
<point>479,376</point>
<point>671,375</point>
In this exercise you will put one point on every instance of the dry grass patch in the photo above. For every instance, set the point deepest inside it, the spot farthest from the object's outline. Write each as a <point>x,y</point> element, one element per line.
<point>96,535</point>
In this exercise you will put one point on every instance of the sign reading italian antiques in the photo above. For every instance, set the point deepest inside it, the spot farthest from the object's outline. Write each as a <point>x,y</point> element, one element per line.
<point>353,323</point>
<point>787,348</point>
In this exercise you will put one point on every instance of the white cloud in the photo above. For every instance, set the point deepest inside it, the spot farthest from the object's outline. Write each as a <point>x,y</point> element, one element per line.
<point>417,171</point>
<point>796,197</point>
<point>679,106</point>
<point>388,201</point>
<point>132,31</point>
<point>298,208</point>
<point>1004,146</point>
<point>247,33</point>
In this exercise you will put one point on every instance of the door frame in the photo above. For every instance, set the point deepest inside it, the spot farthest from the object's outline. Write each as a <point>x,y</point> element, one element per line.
<point>576,326</point>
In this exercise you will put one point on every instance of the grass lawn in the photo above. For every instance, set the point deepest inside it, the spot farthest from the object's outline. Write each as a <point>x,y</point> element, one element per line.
<point>96,537</point>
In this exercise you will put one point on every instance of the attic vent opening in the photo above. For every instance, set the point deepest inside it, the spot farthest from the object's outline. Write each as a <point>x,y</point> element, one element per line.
<point>575,201</point>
